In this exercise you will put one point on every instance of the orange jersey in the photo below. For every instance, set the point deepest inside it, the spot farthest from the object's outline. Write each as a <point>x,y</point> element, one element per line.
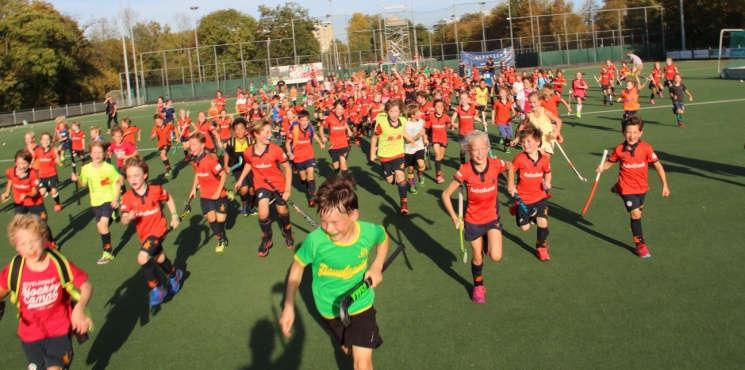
<point>163,134</point>
<point>130,134</point>
<point>46,162</point>
<point>630,99</point>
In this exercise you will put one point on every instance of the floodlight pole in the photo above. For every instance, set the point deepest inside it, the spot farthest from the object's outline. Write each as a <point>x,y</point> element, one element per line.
<point>294,47</point>
<point>509,18</point>
<point>194,8</point>
<point>682,28</point>
<point>126,71</point>
<point>483,31</point>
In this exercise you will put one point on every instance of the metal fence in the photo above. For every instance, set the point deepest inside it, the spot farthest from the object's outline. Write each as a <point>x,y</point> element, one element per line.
<point>25,116</point>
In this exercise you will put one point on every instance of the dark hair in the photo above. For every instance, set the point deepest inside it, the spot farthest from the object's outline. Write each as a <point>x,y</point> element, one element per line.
<point>303,114</point>
<point>337,193</point>
<point>339,102</point>
<point>632,121</point>
<point>530,130</point>
<point>239,121</point>
<point>25,155</point>
<point>411,110</point>
<point>136,161</point>
<point>394,102</point>
<point>198,136</point>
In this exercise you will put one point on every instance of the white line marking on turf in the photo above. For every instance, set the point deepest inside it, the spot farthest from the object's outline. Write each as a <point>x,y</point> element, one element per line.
<point>664,106</point>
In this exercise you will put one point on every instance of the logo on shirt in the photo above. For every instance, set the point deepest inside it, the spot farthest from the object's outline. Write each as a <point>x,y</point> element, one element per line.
<point>346,273</point>
<point>41,293</point>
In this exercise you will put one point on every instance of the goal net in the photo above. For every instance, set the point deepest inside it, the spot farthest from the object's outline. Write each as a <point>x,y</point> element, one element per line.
<point>731,59</point>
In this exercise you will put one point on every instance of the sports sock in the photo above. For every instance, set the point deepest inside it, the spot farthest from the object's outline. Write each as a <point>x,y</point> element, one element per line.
<point>311,187</point>
<point>438,166</point>
<point>284,222</point>
<point>419,174</point>
<point>167,164</point>
<point>266,228</point>
<point>477,272</point>
<point>636,231</point>
<point>56,198</point>
<point>402,187</point>
<point>106,242</point>
<point>541,236</point>
<point>167,267</point>
<point>216,230</point>
<point>148,272</point>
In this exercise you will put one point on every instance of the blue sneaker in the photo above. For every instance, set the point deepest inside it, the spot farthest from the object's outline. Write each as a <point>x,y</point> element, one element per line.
<point>157,295</point>
<point>174,282</point>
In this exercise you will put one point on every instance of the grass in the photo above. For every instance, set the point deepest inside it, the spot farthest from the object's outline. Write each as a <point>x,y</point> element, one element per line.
<point>594,305</point>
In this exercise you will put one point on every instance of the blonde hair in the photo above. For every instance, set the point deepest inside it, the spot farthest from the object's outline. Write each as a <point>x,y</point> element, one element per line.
<point>471,137</point>
<point>28,222</point>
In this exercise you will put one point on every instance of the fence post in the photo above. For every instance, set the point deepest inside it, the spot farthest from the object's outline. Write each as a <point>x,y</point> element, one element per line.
<point>191,73</point>
<point>620,29</point>
<point>217,72</point>
<point>67,110</point>
<point>143,92</point>
<point>243,65</point>
<point>15,119</point>
<point>81,108</point>
<point>33,115</point>
<point>51,113</point>
<point>165,69</point>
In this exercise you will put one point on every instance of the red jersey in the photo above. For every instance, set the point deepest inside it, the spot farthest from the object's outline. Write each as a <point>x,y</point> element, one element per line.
<point>265,166</point>
<point>206,128</point>
<point>255,115</point>
<point>220,103</point>
<point>184,126</point>
<point>530,176</point>
<point>130,134</point>
<point>502,111</point>
<point>208,170</point>
<point>656,75</point>
<point>439,127</point>
<point>159,108</point>
<point>579,88</point>
<point>633,167</point>
<point>46,161</point>
<point>23,187</point>
<point>670,71</point>
<point>124,149</point>
<point>224,128</point>
<point>552,104</point>
<point>302,142</point>
<point>427,108</point>
<point>44,304</point>
<point>630,99</point>
<point>375,109</point>
<point>163,133</point>
<point>149,219</point>
<point>465,119</point>
<point>559,83</point>
<point>482,189</point>
<point>605,77</point>
<point>337,127</point>
<point>77,140</point>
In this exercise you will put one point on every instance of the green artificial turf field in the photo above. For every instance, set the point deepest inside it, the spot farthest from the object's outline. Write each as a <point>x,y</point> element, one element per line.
<point>594,305</point>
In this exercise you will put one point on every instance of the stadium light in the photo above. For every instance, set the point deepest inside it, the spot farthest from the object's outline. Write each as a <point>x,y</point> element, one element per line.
<point>194,8</point>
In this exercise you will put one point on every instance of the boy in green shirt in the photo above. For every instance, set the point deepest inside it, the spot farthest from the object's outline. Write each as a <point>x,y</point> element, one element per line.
<point>103,182</point>
<point>338,252</point>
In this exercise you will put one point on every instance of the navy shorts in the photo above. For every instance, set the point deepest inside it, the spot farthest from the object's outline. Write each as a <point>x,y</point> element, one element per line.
<point>390,167</point>
<point>66,144</point>
<point>247,181</point>
<point>535,210</point>
<point>104,210</point>
<point>338,153</point>
<point>304,165</point>
<point>49,182</point>
<point>472,232</point>
<point>153,245</point>
<point>361,332</point>
<point>273,196</point>
<point>49,352</point>
<point>678,106</point>
<point>411,159</point>
<point>633,201</point>
<point>219,205</point>
<point>38,210</point>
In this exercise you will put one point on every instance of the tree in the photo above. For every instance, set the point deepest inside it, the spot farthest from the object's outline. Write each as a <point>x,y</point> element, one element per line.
<point>278,23</point>
<point>234,32</point>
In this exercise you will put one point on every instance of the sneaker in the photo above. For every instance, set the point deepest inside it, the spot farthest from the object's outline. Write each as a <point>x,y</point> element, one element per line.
<point>479,294</point>
<point>542,252</point>
<point>312,202</point>
<point>642,251</point>
<point>264,247</point>
<point>681,124</point>
<point>252,211</point>
<point>404,207</point>
<point>174,282</point>
<point>579,114</point>
<point>57,207</point>
<point>289,240</point>
<point>106,257</point>
<point>412,190</point>
<point>221,244</point>
<point>244,210</point>
<point>421,180</point>
<point>157,295</point>
<point>439,179</point>
<point>168,174</point>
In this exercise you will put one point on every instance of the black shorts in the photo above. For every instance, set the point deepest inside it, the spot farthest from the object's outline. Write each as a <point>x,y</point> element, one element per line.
<point>668,83</point>
<point>153,245</point>
<point>104,210</point>
<point>166,147</point>
<point>652,85</point>
<point>535,210</point>
<point>481,108</point>
<point>633,201</point>
<point>605,87</point>
<point>411,159</point>
<point>66,145</point>
<point>338,153</point>
<point>678,106</point>
<point>304,165</point>
<point>472,232</point>
<point>273,196</point>
<point>628,114</point>
<point>361,332</point>
<point>78,153</point>
<point>49,352</point>
<point>390,167</point>
<point>38,210</point>
<point>49,182</point>
<point>247,181</point>
<point>219,205</point>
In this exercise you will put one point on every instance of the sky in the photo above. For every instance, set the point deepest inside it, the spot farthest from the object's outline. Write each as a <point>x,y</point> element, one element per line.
<point>177,14</point>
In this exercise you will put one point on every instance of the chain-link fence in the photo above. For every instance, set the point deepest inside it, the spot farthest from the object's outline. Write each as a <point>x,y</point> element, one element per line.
<point>26,116</point>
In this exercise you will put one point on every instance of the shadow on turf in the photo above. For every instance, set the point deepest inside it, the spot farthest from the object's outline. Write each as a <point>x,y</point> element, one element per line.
<point>575,219</point>
<point>126,307</point>
<point>687,164</point>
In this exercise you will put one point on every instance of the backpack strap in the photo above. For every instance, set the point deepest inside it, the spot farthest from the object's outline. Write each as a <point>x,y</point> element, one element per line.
<point>65,274</point>
<point>14,277</point>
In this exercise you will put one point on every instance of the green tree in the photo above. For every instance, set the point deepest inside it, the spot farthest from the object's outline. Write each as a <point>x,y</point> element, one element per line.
<point>234,34</point>
<point>278,23</point>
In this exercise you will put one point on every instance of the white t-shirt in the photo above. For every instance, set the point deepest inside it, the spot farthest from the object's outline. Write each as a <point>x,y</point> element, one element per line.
<point>414,128</point>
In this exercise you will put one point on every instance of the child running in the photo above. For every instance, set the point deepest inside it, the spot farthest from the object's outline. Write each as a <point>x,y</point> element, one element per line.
<point>480,177</point>
<point>46,162</point>
<point>209,178</point>
<point>339,134</point>
<point>142,204</point>
<point>502,113</point>
<point>579,92</point>
<point>299,147</point>
<point>414,150</point>
<point>630,98</point>
<point>437,123</point>
<point>233,162</point>
<point>50,308</point>
<point>533,185</point>
<point>388,145</point>
<point>465,113</point>
<point>162,132</point>
<point>677,90</point>
<point>272,177</point>
<point>339,254</point>
<point>634,156</point>
<point>103,182</point>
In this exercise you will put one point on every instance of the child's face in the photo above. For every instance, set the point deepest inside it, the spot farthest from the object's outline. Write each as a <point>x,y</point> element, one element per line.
<point>535,101</point>
<point>629,85</point>
<point>95,133</point>
<point>439,108</point>
<point>76,128</point>
<point>45,141</point>
<point>240,131</point>
<point>28,244</point>
<point>265,135</point>
<point>158,122</point>
<point>464,100</point>
<point>97,154</point>
<point>578,76</point>
<point>394,112</point>
<point>530,144</point>
<point>136,177</point>
<point>502,94</point>
<point>117,137</point>
<point>303,121</point>
<point>339,110</point>
<point>29,138</point>
<point>678,79</point>
<point>195,146</point>
<point>338,225</point>
<point>22,164</point>
<point>479,150</point>
<point>632,134</point>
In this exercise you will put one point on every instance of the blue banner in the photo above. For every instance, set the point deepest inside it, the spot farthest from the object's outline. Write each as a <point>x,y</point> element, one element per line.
<point>506,55</point>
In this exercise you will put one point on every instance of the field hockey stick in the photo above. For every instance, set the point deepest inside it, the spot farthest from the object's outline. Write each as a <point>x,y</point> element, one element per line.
<point>571,164</point>
<point>519,201</point>
<point>463,252</point>
<point>2,309</point>
<point>294,206</point>
<point>77,193</point>
<point>362,287</point>
<point>595,185</point>
<point>486,130</point>
<point>426,155</point>
<point>187,208</point>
